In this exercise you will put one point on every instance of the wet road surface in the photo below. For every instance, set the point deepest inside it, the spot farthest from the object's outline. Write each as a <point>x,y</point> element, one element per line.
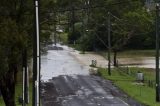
<point>78,90</point>
<point>61,62</point>
<point>65,81</point>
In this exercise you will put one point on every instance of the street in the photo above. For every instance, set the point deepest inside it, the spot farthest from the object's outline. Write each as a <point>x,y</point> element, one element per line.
<point>65,81</point>
<point>78,91</point>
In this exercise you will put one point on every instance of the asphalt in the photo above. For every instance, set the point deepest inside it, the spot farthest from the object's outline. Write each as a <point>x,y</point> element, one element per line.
<point>79,90</point>
<point>65,81</point>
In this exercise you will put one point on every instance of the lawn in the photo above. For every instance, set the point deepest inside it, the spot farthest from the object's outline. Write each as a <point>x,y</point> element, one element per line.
<point>127,82</point>
<point>19,93</point>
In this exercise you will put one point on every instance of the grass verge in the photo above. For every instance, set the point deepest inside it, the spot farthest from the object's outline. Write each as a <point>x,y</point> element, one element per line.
<point>127,82</point>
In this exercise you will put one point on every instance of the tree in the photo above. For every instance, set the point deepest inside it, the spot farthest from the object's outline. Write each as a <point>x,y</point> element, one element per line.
<point>134,24</point>
<point>12,42</point>
<point>130,24</point>
<point>16,33</point>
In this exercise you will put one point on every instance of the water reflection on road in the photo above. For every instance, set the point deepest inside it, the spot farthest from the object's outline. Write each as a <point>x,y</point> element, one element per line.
<point>60,62</point>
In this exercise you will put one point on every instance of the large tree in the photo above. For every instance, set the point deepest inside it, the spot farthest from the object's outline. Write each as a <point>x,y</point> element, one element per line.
<point>13,38</point>
<point>133,30</point>
<point>16,33</point>
<point>11,44</point>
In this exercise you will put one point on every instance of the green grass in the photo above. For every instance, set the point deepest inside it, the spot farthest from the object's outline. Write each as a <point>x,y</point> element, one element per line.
<point>127,83</point>
<point>19,93</point>
<point>1,102</point>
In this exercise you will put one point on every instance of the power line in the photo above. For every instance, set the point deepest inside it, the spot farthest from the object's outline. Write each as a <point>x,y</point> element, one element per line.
<point>90,7</point>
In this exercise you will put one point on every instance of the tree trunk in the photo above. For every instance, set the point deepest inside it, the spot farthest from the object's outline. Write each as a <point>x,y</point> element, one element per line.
<point>115,59</point>
<point>7,86</point>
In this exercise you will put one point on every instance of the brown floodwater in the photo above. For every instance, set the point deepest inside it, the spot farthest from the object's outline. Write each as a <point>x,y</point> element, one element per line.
<point>145,62</point>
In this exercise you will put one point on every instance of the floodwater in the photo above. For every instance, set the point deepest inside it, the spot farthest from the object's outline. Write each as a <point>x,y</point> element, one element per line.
<point>70,62</point>
<point>145,62</point>
<point>65,81</point>
<point>60,62</point>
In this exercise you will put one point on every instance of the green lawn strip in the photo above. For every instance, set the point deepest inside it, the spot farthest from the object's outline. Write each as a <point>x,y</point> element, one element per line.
<point>128,84</point>
<point>1,102</point>
<point>19,93</point>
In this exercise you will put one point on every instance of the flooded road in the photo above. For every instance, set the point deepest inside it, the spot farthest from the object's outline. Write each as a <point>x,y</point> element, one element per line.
<point>65,81</point>
<point>60,62</point>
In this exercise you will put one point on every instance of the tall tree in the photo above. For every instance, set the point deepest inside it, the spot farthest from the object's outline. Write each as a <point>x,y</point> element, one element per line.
<point>13,38</point>
<point>12,42</point>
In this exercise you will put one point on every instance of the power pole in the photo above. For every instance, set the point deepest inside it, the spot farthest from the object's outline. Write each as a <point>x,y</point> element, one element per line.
<point>157,50</point>
<point>109,44</point>
<point>36,58</point>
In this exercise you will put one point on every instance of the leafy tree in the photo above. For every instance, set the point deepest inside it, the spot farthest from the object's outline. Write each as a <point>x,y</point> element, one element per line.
<point>136,25</point>
<point>16,33</point>
<point>11,44</point>
<point>131,24</point>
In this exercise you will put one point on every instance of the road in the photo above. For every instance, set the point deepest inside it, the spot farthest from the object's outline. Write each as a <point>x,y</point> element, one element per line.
<point>61,62</point>
<point>65,81</point>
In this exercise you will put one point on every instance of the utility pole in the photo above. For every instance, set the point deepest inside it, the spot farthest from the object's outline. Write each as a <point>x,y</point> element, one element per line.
<point>109,44</point>
<point>157,50</point>
<point>36,58</point>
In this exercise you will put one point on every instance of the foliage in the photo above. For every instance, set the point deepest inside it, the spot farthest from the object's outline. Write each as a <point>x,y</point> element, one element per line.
<point>130,24</point>
<point>16,33</point>
<point>11,44</point>
<point>64,38</point>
